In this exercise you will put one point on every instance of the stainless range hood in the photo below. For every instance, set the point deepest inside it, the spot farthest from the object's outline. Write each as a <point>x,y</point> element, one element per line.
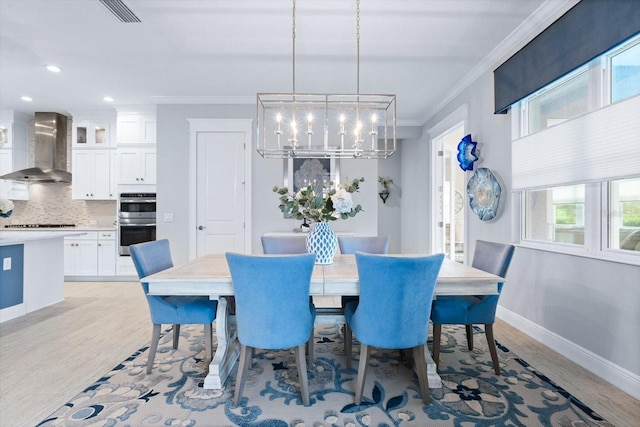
<point>50,154</point>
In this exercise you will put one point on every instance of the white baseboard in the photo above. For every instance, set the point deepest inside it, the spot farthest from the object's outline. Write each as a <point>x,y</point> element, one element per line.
<point>620,377</point>
<point>12,312</point>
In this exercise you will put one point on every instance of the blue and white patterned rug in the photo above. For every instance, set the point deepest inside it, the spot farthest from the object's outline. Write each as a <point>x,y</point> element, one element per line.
<point>471,394</point>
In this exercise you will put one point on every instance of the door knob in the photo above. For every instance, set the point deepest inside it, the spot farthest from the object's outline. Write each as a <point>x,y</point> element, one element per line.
<point>201,227</point>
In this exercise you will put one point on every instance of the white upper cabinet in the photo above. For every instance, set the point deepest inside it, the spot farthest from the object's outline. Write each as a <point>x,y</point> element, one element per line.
<point>13,152</point>
<point>136,128</point>
<point>91,134</point>
<point>93,177</point>
<point>136,165</point>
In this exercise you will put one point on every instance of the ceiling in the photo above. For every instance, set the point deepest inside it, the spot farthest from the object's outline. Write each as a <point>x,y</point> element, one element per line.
<point>225,51</point>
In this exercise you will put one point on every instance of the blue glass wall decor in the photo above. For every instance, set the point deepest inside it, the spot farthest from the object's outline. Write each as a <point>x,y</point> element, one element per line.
<point>467,153</point>
<point>484,194</point>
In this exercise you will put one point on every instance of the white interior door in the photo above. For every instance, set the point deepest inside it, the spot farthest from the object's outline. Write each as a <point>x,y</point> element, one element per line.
<point>449,186</point>
<point>220,192</point>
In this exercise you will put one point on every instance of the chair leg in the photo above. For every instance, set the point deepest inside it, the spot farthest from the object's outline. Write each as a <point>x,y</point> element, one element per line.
<point>176,336</point>
<point>488,331</point>
<point>302,374</point>
<point>362,372</point>
<point>155,337</point>
<point>310,345</point>
<point>208,341</point>
<point>245,357</point>
<point>348,344</point>
<point>469,329</point>
<point>437,332</point>
<point>421,368</point>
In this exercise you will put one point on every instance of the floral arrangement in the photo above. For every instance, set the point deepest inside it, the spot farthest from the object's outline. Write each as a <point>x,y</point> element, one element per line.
<point>6,207</point>
<point>335,202</point>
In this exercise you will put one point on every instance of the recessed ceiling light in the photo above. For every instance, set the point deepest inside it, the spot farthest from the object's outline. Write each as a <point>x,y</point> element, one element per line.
<point>107,99</point>
<point>26,98</point>
<point>54,68</point>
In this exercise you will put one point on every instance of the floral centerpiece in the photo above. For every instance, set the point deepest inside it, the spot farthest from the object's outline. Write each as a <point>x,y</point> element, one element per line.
<point>333,203</point>
<point>6,207</point>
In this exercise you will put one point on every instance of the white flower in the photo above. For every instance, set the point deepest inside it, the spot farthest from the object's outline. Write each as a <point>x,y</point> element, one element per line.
<point>342,201</point>
<point>6,206</point>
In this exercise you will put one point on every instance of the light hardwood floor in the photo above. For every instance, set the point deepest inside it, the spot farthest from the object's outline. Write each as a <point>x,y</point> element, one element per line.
<point>49,356</point>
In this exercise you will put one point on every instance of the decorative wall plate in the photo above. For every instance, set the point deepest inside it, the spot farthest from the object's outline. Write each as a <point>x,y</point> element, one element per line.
<point>484,194</point>
<point>467,153</point>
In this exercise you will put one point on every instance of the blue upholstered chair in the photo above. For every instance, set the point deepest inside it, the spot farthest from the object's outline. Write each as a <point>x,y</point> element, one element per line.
<point>150,258</point>
<point>493,258</point>
<point>273,310</point>
<point>369,245</point>
<point>393,310</point>
<point>284,245</point>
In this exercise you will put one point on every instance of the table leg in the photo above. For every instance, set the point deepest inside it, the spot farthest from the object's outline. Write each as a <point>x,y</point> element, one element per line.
<point>228,350</point>
<point>432,372</point>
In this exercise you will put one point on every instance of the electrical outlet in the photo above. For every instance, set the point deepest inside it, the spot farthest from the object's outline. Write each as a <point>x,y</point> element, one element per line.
<point>6,263</point>
<point>168,217</point>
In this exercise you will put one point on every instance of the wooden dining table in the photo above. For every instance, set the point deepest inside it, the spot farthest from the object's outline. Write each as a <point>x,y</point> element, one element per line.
<point>209,275</point>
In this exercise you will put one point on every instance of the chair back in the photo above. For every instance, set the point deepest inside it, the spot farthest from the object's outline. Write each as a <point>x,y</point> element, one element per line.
<point>493,257</point>
<point>395,299</point>
<point>151,257</point>
<point>272,299</point>
<point>284,245</point>
<point>369,245</point>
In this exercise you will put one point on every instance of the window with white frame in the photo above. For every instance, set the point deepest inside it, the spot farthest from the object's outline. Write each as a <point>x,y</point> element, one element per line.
<point>577,160</point>
<point>624,214</point>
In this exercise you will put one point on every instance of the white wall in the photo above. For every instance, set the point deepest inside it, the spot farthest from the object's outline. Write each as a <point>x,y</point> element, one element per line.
<point>582,307</point>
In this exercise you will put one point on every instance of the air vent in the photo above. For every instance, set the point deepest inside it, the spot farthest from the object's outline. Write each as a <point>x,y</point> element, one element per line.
<point>120,10</point>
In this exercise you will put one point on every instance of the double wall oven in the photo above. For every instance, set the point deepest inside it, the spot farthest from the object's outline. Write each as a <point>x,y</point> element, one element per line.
<point>136,219</point>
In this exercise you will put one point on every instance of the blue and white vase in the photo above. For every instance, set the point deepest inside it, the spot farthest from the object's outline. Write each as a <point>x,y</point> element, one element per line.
<point>323,242</point>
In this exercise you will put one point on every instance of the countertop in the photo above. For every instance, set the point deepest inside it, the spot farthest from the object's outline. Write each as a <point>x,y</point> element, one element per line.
<point>18,237</point>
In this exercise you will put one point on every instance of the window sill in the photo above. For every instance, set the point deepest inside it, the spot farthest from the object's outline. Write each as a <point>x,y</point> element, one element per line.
<point>610,255</point>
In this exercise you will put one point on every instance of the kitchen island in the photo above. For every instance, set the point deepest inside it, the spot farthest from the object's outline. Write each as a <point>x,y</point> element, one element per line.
<point>31,270</point>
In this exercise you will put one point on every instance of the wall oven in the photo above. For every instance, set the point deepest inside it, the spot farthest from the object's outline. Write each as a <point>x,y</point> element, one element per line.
<point>136,220</point>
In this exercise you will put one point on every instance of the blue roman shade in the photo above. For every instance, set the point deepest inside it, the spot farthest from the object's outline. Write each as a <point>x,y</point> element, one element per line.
<point>587,30</point>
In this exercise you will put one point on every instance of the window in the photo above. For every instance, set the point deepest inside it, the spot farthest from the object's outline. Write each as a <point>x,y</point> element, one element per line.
<point>556,215</point>
<point>582,194</point>
<point>624,214</point>
<point>560,103</point>
<point>625,72</point>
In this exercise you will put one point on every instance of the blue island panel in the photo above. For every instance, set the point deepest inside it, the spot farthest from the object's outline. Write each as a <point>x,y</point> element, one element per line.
<point>11,281</point>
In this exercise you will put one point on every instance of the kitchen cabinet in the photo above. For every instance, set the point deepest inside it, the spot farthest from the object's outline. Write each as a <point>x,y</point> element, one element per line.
<point>136,165</point>
<point>14,153</point>
<point>106,253</point>
<point>80,255</point>
<point>91,254</point>
<point>136,128</point>
<point>93,174</point>
<point>91,134</point>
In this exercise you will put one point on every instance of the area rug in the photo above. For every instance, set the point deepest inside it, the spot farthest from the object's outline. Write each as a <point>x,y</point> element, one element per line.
<point>472,395</point>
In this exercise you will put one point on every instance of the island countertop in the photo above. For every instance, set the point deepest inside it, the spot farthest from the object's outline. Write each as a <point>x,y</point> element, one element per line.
<point>18,237</point>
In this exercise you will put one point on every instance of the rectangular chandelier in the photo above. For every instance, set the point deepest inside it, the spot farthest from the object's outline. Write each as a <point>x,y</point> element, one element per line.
<point>326,125</point>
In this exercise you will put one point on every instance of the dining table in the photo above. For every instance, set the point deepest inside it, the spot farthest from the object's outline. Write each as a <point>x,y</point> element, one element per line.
<point>209,275</point>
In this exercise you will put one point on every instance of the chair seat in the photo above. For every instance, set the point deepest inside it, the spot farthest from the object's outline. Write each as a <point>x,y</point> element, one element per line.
<point>190,310</point>
<point>452,310</point>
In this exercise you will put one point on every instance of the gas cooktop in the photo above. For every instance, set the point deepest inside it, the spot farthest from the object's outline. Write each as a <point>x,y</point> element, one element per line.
<point>39,225</point>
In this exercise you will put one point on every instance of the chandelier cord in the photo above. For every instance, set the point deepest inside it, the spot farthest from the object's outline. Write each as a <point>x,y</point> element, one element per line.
<point>293,30</point>
<point>358,46</point>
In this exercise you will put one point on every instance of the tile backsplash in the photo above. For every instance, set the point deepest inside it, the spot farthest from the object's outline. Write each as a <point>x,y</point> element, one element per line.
<point>51,203</point>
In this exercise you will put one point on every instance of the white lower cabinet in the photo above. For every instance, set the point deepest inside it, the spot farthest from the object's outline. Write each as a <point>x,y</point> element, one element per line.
<point>92,254</point>
<point>106,253</point>
<point>80,257</point>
